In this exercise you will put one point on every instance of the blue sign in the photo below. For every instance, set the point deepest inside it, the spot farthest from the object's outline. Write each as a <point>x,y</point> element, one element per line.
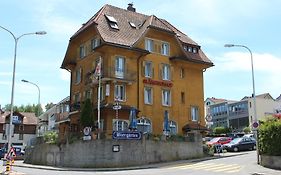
<point>126,135</point>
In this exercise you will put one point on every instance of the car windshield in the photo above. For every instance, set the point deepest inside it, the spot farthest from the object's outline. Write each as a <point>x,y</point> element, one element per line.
<point>236,140</point>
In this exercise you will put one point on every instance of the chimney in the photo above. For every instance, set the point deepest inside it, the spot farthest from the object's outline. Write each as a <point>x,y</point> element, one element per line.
<point>131,8</point>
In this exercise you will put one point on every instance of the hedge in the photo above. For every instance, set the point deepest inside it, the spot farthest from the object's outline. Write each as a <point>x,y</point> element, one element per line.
<point>270,138</point>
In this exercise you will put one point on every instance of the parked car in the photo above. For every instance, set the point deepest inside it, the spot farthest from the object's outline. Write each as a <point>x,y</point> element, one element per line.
<point>241,144</point>
<point>235,135</point>
<point>217,143</point>
<point>249,136</point>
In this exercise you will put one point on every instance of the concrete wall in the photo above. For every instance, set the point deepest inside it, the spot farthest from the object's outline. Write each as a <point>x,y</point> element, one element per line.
<point>271,161</point>
<point>99,153</point>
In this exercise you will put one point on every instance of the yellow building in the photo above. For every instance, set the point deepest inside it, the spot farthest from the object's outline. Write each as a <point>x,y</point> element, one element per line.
<point>147,64</point>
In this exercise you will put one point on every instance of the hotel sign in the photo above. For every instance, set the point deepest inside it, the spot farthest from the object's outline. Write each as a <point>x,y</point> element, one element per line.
<point>156,82</point>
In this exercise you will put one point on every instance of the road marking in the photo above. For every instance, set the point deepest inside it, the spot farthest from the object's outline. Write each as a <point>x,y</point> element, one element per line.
<point>228,168</point>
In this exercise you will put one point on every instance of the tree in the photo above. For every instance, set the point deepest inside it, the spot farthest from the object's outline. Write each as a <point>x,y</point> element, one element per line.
<point>49,106</point>
<point>221,130</point>
<point>87,115</point>
<point>247,130</point>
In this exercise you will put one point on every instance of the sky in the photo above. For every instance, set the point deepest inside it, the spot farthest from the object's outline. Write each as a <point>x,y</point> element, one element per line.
<point>211,23</point>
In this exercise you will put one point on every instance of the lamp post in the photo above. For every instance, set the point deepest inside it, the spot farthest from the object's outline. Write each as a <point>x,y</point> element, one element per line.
<point>16,39</point>
<point>254,95</point>
<point>25,81</point>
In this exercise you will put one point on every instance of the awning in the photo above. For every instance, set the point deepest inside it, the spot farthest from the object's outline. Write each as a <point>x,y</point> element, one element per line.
<point>194,126</point>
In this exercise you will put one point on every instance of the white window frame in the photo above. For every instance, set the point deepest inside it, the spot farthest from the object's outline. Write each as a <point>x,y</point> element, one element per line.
<point>144,125</point>
<point>120,125</point>
<point>173,127</point>
<point>78,75</point>
<point>166,72</point>
<point>148,95</point>
<point>82,51</point>
<point>194,113</point>
<point>119,67</point>
<point>120,92</point>
<point>148,69</point>
<point>95,42</point>
<point>165,49</point>
<point>166,97</point>
<point>149,45</point>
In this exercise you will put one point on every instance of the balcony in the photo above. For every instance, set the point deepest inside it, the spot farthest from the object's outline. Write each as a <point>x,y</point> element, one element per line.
<point>112,74</point>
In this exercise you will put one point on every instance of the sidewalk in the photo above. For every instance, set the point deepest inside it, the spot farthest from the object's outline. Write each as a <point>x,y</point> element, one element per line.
<point>19,163</point>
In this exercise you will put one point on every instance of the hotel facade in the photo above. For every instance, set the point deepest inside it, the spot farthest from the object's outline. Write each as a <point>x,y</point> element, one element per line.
<point>146,63</point>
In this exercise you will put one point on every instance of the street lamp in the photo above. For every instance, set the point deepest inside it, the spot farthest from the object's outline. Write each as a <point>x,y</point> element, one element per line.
<point>13,79</point>
<point>254,94</point>
<point>25,81</point>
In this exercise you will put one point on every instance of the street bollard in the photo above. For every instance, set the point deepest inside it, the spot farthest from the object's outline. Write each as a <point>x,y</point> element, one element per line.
<point>8,167</point>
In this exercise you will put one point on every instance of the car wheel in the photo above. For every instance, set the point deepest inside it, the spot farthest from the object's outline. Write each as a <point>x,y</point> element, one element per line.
<point>235,149</point>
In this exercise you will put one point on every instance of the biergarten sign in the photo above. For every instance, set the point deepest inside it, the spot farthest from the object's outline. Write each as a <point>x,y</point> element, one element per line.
<point>126,135</point>
<point>156,82</point>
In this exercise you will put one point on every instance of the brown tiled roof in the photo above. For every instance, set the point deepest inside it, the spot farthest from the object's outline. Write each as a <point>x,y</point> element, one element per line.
<point>29,118</point>
<point>127,35</point>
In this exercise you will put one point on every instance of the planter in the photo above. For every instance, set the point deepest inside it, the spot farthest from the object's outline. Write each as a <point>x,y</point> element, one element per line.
<point>271,161</point>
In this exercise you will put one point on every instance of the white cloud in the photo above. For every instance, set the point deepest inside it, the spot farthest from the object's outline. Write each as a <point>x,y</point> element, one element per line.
<point>241,61</point>
<point>266,69</point>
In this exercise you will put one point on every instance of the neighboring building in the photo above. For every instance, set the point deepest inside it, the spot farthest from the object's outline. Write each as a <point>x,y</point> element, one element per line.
<point>24,128</point>
<point>147,64</point>
<point>240,114</point>
<point>48,120</point>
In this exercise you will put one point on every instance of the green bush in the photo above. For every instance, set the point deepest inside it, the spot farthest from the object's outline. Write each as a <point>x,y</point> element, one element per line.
<point>270,138</point>
<point>247,130</point>
<point>221,130</point>
<point>51,137</point>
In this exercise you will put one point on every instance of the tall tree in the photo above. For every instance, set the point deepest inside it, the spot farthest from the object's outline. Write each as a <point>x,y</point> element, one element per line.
<point>49,106</point>
<point>87,115</point>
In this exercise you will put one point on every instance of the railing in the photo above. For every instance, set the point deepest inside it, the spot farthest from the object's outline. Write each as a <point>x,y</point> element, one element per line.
<point>111,73</point>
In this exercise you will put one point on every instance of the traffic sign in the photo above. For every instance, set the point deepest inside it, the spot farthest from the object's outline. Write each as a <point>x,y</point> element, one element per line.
<point>255,125</point>
<point>117,107</point>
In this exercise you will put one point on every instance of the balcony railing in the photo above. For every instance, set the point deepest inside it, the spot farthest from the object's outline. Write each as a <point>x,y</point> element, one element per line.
<point>111,73</point>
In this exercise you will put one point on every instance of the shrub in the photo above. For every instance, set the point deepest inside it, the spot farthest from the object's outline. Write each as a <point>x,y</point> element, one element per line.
<point>51,137</point>
<point>221,130</point>
<point>247,130</point>
<point>270,138</point>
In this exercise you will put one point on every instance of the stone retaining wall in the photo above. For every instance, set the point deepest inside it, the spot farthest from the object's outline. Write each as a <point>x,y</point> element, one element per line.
<point>105,153</point>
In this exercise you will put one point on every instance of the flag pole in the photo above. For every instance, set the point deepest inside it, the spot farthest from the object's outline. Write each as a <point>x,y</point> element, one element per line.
<point>99,94</point>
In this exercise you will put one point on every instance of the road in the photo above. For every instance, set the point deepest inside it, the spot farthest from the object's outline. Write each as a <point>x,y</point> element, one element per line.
<point>244,164</point>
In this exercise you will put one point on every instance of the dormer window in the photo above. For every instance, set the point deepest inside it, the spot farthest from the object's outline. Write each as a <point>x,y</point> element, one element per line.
<point>194,50</point>
<point>132,25</point>
<point>189,49</point>
<point>185,48</point>
<point>112,22</point>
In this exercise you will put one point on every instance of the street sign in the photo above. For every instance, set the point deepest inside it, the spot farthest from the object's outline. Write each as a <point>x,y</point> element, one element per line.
<point>208,118</point>
<point>117,107</point>
<point>126,135</point>
<point>255,125</point>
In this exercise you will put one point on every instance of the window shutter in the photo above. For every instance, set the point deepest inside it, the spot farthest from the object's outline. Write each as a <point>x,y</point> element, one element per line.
<point>160,71</point>
<point>171,72</point>
<point>152,70</point>
<point>143,69</point>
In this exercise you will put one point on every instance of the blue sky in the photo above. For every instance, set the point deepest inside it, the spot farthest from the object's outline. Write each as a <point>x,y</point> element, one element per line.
<point>211,23</point>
